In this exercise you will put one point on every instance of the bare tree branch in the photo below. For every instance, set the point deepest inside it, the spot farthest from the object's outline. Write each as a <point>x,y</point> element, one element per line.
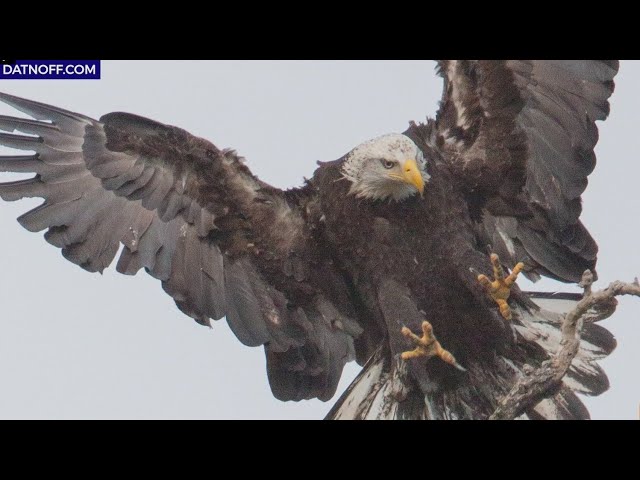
<point>533,386</point>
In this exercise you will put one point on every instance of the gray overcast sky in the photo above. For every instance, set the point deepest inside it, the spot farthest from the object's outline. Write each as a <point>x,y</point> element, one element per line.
<point>139,357</point>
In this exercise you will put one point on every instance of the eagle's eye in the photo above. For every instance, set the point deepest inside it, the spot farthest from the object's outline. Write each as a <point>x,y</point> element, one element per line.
<point>388,164</point>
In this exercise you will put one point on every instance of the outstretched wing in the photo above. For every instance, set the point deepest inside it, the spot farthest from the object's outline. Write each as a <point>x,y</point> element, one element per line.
<point>222,242</point>
<point>520,135</point>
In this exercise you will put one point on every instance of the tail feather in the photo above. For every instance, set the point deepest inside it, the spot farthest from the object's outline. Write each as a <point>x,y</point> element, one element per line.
<point>565,405</point>
<point>380,391</point>
<point>367,396</point>
<point>543,328</point>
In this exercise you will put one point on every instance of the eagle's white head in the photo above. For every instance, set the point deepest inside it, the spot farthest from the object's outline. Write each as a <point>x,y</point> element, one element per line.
<point>390,167</point>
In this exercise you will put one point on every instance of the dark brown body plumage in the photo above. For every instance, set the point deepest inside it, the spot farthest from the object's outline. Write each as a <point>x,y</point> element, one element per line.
<point>426,247</point>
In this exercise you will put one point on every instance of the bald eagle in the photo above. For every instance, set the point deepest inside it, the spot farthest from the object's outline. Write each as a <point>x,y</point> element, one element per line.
<point>393,255</point>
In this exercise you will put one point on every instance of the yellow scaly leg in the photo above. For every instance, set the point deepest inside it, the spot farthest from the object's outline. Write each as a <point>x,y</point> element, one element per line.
<point>500,288</point>
<point>428,346</point>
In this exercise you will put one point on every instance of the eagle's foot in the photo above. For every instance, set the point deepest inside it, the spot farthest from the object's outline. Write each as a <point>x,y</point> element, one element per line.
<point>427,346</point>
<point>500,289</point>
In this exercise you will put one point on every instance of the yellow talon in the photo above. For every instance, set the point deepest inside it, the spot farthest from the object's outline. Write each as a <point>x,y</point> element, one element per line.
<point>427,346</point>
<point>500,289</point>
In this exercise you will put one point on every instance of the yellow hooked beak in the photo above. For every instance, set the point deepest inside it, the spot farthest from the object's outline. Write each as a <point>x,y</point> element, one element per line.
<point>411,174</point>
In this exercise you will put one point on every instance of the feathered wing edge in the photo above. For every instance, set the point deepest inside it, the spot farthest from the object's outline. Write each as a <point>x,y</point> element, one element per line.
<point>379,392</point>
<point>171,199</point>
<point>521,134</point>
